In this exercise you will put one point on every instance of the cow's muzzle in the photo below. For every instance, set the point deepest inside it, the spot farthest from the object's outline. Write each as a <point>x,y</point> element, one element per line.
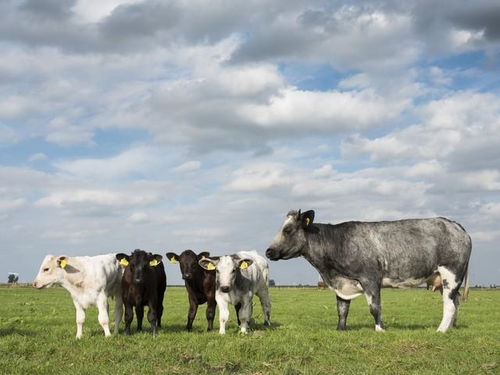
<point>186,276</point>
<point>272,254</point>
<point>225,289</point>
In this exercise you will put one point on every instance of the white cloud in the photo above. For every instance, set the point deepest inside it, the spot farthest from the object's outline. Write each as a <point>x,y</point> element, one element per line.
<point>139,218</point>
<point>486,236</point>
<point>200,234</point>
<point>449,125</point>
<point>37,156</point>
<point>188,166</point>
<point>7,135</point>
<point>491,209</point>
<point>11,204</point>
<point>96,10</point>
<point>327,111</point>
<point>72,236</point>
<point>134,160</point>
<point>259,177</point>
<point>100,197</point>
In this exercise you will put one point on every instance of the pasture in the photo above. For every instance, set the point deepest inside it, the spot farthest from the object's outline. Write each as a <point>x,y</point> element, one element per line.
<point>37,330</point>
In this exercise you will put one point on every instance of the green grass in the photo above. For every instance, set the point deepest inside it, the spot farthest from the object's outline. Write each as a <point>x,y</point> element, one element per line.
<point>37,330</point>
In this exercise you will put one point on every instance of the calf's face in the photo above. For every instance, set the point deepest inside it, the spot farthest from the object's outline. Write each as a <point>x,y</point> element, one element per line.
<point>139,264</point>
<point>51,271</point>
<point>226,268</point>
<point>290,240</point>
<point>188,261</point>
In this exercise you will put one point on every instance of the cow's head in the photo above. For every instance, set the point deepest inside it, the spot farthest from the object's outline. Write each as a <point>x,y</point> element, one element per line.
<point>291,239</point>
<point>188,261</point>
<point>51,271</point>
<point>226,268</point>
<point>139,264</point>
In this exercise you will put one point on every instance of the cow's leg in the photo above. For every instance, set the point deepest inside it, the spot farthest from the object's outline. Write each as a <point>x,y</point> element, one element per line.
<point>265,303</point>
<point>342,310</point>
<point>193,308</point>
<point>451,298</point>
<point>153,317</point>
<point>139,312</point>
<point>237,308</point>
<point>80,319</point>
<point>129,316</point>
<point>103,316</point>
<point>245,314</point>
<point>223,313</point>
<point>210,314</point>
<point>159,312</point>
<point>372,294</point>
<point>118,311</point>
<point>456,301</point>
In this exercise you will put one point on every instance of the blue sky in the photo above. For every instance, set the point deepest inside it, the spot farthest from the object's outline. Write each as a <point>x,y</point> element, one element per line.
<point>168,125</point>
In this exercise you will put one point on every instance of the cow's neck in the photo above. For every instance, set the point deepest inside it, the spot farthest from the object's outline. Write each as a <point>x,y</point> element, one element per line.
<point>320,252</point>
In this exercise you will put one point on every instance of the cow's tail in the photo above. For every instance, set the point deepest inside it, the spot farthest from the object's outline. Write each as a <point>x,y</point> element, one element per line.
<point>466,284</point>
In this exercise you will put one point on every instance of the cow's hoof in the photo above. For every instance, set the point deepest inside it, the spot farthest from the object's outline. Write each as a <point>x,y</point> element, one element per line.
<point>379,328</point>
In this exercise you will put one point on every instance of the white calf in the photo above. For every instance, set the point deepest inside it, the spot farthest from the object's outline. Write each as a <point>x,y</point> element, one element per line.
<point>89,280</point>
<point>239,277</point>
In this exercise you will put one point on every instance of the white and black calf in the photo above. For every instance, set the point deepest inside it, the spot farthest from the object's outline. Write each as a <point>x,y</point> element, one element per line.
<point>90,280</point>
<point>238,278</point>
<point>361,257</point>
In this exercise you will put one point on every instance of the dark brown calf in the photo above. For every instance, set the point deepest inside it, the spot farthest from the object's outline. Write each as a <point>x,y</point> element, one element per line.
<point>143,283</point>
<point>200,284</point>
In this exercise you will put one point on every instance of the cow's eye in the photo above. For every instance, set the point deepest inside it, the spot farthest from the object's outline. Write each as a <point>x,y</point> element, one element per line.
<point>287,230</point>
<point>46,269</point>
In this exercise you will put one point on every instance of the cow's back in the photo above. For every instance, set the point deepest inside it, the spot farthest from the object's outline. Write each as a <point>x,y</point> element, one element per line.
<point>403,248</point>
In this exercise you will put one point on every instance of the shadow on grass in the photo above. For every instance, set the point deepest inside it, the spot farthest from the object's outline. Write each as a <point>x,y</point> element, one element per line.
<point>16,331</point>
<point>400,326</point>
<point>262,327</point>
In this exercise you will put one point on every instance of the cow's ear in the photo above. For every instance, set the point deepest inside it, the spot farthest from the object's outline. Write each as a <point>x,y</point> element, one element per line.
<point>307,219</point>
<point>245,263</point>
<point>157,258</point>
<point>203,254</point>
<point>208,264</point>
<point>172,257</point>
<point>62,261</point>
<point>123,259</point>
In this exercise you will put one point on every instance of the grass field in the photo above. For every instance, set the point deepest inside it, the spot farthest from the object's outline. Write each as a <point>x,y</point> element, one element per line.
<point>37,330</point>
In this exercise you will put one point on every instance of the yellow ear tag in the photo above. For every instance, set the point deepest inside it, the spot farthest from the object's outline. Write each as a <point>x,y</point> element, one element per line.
<point>63,263</point>
<point>173,260</point>
<point>124,262</point>
<point>210,266</point>
<point>154,263</point>
<point>308,221</point>
<point>243,265</point>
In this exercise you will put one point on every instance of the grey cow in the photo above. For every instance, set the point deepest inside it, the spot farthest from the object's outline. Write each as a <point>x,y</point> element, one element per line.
<point>361,257</point>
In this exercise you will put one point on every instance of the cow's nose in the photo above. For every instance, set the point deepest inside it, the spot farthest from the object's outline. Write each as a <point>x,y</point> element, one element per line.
<point>34,284</point>
<point>186,276</point>
<point>224,289</point>
<point>269,253</point>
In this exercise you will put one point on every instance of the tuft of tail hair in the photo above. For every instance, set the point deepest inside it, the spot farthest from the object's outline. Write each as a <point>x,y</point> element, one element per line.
<point>466,285</point>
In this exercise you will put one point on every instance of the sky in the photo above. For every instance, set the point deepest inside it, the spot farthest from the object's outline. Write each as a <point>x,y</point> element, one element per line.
<point>173,125</point>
